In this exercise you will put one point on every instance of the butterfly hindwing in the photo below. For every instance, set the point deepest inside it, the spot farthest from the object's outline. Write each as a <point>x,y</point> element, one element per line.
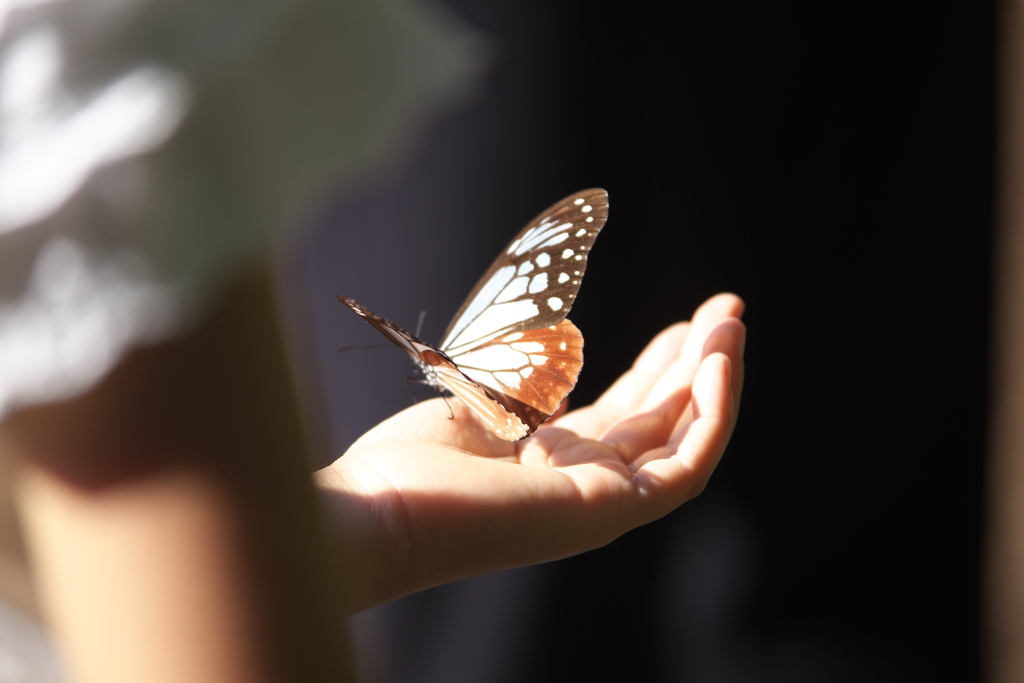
<point>537,368</point>
<point>509,421</point>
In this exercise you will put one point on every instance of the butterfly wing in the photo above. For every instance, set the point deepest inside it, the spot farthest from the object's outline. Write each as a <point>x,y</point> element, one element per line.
<point>399,337</point>
<point>442,373</point>
<point>502,418</point>
<point>530,372</point>
<point>511,336</point>
<point>509,353</point>
<point>534,281</point>
<point>516,382</point>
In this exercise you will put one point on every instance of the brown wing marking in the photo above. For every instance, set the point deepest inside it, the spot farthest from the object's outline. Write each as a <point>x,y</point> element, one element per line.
<point>549,362</point>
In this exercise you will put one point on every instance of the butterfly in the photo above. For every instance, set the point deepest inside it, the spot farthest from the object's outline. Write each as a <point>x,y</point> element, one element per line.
<point>509,353</point>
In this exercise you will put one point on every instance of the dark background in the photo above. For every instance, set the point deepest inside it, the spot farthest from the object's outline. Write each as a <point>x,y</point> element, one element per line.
<point>832,163</point>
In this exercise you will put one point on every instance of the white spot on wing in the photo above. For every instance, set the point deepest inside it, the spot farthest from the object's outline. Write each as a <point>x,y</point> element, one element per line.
<point>509,378</point>
<point>587,209</point>
<point>528,347</point>
<point>527,371</point>
<point>579,201</point>
<point>538,236</point>
<point>581,232</point>
<point>562,346</point>
<point>567,253</point>
<point>525,268</point>
<point>512,337</point>
<point>557,239</point>
<point>562,277</point>
<point>539,283</point>
<point>538,359</point>
<point>486,377</point>
<point>555,303</point>
<point>590,219</point>
<point>543,259</point>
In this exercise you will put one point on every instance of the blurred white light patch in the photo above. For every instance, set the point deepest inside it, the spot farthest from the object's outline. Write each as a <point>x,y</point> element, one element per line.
<point>50,142</point>
<point>76,319</point>
<point>27,75</point>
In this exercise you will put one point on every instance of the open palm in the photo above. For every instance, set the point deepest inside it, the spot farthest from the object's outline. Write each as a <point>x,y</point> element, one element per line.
<point>421,499</point>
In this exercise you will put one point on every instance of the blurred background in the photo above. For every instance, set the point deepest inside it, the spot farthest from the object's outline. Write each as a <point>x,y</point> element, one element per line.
<point>833,164</point>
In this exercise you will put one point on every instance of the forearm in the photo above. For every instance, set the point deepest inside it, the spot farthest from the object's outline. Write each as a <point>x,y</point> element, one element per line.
<point>170,519</point>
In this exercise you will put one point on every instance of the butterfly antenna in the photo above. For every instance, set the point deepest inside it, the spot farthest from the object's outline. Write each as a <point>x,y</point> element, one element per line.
<point>419,323</point>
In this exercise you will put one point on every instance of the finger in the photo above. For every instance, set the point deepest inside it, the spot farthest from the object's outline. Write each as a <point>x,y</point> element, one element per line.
<point>623,397</point>
<point>638,434</point>
<point>671,481</point>
<point>629,391</point>
<point>728,338</point>
<point>663,419</point>
<point>632,390</point>
<point>667,363</point>
<point>705,320</point>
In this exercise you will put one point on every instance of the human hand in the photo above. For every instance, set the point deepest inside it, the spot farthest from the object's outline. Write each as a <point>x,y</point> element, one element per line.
<point>421,500</point>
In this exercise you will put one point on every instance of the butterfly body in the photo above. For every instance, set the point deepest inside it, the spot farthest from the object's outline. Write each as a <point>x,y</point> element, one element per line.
<point>510,353</point>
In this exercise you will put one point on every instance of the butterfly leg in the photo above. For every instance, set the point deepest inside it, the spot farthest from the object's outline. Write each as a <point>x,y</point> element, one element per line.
<point>409,381</point>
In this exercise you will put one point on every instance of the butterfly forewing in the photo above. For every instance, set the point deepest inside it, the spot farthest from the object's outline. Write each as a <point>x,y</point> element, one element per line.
<point>534,281</point>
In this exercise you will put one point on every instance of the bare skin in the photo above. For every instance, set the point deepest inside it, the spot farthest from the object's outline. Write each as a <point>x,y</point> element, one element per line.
<point>432,500</point>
